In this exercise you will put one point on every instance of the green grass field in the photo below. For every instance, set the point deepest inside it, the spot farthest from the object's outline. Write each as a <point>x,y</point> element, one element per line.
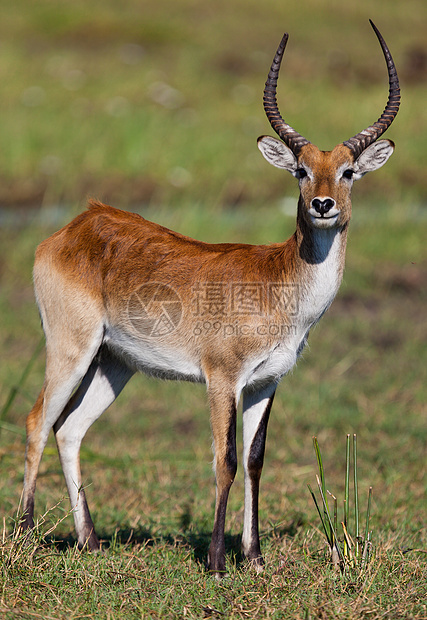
<point>156,107</point>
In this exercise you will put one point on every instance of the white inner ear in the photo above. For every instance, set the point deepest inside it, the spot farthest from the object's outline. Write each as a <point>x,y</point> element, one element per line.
<point>277,153</point>
<point>373,157</point>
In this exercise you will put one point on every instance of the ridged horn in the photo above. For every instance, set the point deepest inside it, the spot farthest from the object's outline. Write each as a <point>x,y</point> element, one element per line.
<point>292,138</point>
<point>362,140</point>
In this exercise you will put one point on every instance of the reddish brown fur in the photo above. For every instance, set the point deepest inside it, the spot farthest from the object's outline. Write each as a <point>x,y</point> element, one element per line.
<point>324,164</point>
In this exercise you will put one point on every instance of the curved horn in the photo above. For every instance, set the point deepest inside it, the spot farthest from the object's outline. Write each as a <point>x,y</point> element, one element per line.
<point>292,138</point>
<point>362,140</point>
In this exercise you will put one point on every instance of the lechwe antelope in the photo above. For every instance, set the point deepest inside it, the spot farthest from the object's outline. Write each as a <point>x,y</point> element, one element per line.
<point>118,294</point>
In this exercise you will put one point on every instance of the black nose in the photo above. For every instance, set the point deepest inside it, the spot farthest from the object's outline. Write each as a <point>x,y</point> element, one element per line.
<point>322,206</point>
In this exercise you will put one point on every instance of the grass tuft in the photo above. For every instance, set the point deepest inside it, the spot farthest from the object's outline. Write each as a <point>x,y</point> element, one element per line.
<point>348,553</point>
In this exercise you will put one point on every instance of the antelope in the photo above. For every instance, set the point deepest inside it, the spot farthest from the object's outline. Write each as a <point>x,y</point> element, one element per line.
<point>119,294</point>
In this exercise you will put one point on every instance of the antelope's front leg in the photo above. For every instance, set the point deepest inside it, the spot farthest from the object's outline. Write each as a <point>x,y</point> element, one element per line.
<point>223,407</point>
<point>256,412</point>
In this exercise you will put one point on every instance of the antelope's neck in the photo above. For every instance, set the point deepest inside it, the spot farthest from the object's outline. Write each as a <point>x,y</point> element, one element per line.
<point>320,260</point>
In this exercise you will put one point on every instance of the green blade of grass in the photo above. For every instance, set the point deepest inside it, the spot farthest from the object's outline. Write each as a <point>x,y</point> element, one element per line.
<point>346,490</point>
<point>320,464</point>
<point>347,479</point>
<point>322,478</point>
<point>325,529</point>
<point>356,495</point>
<point>334,537</point>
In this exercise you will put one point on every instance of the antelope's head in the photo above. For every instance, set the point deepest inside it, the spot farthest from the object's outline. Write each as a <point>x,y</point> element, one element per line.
<point>326,177</point>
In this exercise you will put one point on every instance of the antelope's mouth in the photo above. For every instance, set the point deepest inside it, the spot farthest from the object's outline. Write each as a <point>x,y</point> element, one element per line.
<point>323,216</point>
<point>324,220</point>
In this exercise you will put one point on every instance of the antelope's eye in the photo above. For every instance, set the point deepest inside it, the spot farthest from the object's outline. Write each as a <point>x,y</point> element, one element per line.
<point>300,173</point>
<point>348,174</point>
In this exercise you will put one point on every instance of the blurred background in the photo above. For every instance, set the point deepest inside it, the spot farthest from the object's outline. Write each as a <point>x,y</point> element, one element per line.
<point>154,103</point>
<point>156,106</point>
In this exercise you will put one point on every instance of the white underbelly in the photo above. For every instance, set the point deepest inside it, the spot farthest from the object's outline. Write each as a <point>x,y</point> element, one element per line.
<point>154,357</point>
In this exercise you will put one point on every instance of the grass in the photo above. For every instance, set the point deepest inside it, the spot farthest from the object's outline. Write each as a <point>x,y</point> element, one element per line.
<point>129,581</point>
<point>352,550</point>
<point>80,115</point>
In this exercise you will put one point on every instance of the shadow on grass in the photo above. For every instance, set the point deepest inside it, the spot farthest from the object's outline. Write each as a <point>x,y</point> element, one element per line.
<point>197,541</point>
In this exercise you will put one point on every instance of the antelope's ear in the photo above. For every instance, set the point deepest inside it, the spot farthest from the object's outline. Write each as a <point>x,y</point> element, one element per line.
<point>373,157</point>
<point>277,153</point>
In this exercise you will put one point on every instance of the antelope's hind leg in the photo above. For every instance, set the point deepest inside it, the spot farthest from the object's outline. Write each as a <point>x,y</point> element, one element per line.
<point>103,382</point>
<point>63,374</point>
